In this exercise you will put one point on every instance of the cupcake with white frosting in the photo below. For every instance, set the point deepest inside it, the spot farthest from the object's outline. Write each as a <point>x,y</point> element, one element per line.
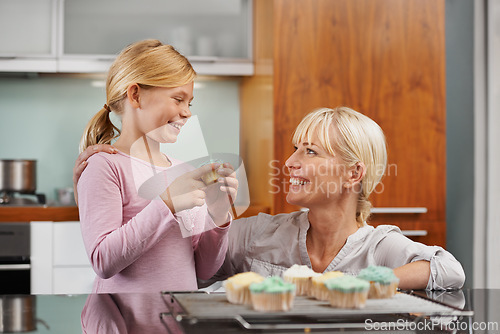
<point>301,276</point>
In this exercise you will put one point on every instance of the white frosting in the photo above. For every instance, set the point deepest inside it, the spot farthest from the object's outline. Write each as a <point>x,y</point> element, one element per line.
<point>300,271</point>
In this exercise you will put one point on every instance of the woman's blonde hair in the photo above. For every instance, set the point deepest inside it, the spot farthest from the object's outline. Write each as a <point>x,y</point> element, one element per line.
<point>148,63</point>
<point>358,139</point>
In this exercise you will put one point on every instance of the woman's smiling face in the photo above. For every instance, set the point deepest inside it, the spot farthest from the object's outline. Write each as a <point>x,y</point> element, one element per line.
<point>316,176</point>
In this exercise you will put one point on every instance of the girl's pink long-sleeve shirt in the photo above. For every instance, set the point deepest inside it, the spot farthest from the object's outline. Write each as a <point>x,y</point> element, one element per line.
<point>135,244</point>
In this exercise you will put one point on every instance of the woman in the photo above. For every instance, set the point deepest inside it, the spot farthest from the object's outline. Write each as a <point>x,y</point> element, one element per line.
<point>138,240</point>
<point>340,158</point>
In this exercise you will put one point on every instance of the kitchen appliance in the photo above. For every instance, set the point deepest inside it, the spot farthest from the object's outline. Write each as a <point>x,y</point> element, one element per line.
<point>15,263</point>
<point>18,183</point>
<point>65,196</point>
<point>17,313</point>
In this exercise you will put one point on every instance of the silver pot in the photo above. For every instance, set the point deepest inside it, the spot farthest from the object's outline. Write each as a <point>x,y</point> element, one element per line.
<point>17,313</point>
<point>18,176</point>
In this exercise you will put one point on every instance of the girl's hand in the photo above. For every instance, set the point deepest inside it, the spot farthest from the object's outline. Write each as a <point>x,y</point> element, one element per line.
<point>187,190</point>
<point>81,162</point>
<point>221,194</point>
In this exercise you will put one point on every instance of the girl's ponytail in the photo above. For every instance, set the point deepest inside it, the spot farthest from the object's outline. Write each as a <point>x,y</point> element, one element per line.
<point>99,130</point>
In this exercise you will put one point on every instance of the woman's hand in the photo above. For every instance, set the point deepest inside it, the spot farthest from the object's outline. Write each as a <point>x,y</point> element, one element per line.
<point>187,190</point>
<point>81,162</point>
<point>221,194</point>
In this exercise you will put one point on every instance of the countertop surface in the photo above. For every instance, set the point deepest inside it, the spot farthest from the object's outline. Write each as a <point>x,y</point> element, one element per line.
<point>38,213</point>
<point>70,213</point>
<point>150,313</point>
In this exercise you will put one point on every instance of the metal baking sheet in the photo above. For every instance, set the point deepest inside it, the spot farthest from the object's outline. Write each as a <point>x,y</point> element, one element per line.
<point>216,306</point>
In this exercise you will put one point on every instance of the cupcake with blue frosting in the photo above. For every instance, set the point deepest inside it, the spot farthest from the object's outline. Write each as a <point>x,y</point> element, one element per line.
<point>272,294</point>
<point>383,282</point>
<point>318,289</point>
<point>347,291</point>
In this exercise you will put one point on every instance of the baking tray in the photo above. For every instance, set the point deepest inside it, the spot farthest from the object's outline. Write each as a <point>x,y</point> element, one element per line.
<point>192,308</point>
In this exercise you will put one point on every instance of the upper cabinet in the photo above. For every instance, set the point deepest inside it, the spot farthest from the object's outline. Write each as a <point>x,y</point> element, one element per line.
<point>85,36</point>
<point>28,39</point>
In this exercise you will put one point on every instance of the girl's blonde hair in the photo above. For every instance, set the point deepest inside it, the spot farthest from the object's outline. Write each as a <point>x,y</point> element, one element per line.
<point>358,139</point>
<point>148,63</point>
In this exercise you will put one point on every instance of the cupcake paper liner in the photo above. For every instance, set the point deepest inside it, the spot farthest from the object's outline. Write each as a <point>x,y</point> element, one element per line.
<point>302,284</point>
<point>264,301</point>
<point>341,299</point>
<point>381,291</point>
<point>319,291</point>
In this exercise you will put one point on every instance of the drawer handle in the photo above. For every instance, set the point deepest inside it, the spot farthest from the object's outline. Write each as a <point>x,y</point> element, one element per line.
<point>398,210</point>
<point>6,267</point>
<point>414,233</point>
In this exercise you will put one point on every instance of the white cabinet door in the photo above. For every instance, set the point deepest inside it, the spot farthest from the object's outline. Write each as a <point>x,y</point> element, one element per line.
<point>73,280</point>
<point>72,272</point>
<point>68,245</point>
<point>215,35</point>
<point>41,257</point>
<point>28,38</point>
<point>85,36</point>
<point>59,262</point>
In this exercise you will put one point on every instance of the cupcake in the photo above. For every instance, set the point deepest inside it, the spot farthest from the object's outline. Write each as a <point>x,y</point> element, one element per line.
<point>318,289</point>
<point>236,286</point>
<point>212,176</point>
<point>347,291</point>
<point>300,276</point>
<point>272,294</point>
<point>383,282</point>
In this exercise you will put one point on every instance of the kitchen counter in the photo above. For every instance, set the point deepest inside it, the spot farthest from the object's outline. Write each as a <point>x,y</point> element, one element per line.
<point>38,213</point>
<point>69,213</point>
<point>140,313</point>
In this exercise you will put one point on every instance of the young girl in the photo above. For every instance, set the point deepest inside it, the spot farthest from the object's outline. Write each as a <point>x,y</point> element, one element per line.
<point>136,244</point>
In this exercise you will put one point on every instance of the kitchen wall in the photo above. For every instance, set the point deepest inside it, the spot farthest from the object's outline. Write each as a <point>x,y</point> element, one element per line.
<point>42,118</point>
<point>460,134</point>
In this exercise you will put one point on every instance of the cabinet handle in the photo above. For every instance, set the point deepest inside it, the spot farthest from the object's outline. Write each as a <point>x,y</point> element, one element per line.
<point>9,267</point>
<point>414,233</point>
<point>202,59</point>
<point>7,57</point>
<point>398,210</point>
<point>390,210</point>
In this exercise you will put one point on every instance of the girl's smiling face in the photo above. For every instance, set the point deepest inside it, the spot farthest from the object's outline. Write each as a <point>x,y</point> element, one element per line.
<point>163,112</point>
<point>316,176</point>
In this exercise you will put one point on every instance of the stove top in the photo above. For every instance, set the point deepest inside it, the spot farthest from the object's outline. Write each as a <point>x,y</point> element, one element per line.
<point>11,199</point>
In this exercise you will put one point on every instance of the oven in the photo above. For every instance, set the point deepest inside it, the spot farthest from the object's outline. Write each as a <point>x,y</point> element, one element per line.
<point>15,264</point>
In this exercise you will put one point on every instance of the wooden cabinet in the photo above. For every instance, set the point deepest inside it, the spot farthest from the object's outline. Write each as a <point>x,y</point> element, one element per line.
<point>386,59</point>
